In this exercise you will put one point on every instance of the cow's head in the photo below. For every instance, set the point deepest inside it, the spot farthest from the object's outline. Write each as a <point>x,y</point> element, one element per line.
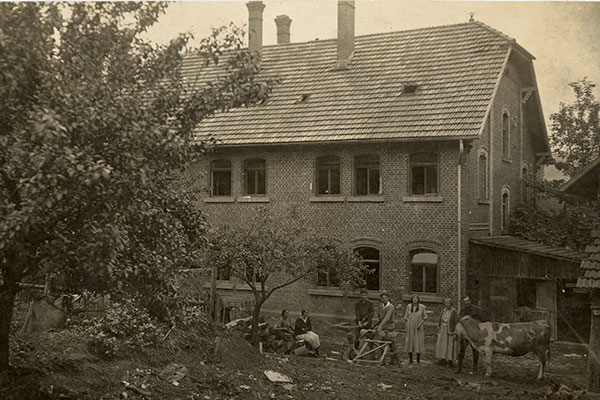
<point>467,328</point>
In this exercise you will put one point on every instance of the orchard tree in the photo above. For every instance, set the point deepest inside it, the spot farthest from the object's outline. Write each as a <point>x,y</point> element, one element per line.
<point>268,253</point>
<point>95,125</point>
<point>575,134</point>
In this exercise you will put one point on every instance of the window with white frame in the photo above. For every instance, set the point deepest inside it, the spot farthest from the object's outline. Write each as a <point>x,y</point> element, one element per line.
<point>482,171</point>
<point>366,175</point>
<point>424,173</point>
<point>424,270</point>
<point>505,135</point>
<point>220,177</point>
<point>371,260</point>
<point>328,175</point>
<point>255,177</point>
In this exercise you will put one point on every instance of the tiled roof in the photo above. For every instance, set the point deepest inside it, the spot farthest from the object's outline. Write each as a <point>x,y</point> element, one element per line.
<point>527,246</point>
<point>591,266</point>
<point>456,68</point>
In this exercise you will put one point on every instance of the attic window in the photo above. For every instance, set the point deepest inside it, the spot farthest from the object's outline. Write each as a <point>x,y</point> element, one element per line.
<point>410,88</point>
<point>303,98</point>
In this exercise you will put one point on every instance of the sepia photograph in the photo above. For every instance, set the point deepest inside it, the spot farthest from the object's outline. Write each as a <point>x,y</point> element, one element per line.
<point>299,199</point>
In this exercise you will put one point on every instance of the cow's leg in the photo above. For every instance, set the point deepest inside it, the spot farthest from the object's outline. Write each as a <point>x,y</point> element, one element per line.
<point>487,359</point>
<point>542,357</point>
<point>462,346</point>
<point>475,357</point>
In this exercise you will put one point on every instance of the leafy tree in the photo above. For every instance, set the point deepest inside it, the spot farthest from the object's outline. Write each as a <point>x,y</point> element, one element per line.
<point>269,253</point>
<point>95,125</point>
<point>575,134</point>
<point>567,223</point>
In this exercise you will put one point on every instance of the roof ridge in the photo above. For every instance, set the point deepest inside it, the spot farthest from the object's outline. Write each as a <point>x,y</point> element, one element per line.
<point>390,33</point>
<point>367,35</point>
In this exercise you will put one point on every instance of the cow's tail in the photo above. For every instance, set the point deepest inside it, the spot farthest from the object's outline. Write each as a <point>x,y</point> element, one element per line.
<point>548,354</point>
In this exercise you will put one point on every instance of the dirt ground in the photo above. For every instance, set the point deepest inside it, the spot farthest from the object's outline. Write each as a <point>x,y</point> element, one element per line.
<point>56,365</point>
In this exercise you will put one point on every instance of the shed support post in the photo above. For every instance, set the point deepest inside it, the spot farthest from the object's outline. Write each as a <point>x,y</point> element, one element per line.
<point>593,373</point>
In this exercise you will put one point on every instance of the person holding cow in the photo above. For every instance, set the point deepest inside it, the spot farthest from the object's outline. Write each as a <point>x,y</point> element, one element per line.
<point>468,308</point>
<point>415,317</point>
<point>446,346</point>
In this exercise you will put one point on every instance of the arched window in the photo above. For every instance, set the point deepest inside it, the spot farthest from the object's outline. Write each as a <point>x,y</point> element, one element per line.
<point>505,209</point>
<point>370,256</point>
<point>482,169</point>
<point>366,175</point>
<point>524,183</point>
<point>505,136</point>
<point>255,182</point>
<point>220,177</point>
<point>424,271</point>
<point>328,175</point>
<point>424,173</point>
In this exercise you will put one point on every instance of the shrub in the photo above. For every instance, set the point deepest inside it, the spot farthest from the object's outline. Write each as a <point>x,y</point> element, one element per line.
<point>125,325</point>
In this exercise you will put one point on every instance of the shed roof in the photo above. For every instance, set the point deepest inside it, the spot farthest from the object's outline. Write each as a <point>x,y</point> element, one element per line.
<point>527,246</point>
<point>591,266</point>
<point>586,182</point>
<point>456,69</point>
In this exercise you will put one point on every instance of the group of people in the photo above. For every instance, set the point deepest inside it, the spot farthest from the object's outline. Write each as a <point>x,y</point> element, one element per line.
<point>381,321</point>
<point>300,330</point>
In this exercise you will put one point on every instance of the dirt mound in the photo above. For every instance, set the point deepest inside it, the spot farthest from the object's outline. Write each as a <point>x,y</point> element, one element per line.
<point>233,351</point>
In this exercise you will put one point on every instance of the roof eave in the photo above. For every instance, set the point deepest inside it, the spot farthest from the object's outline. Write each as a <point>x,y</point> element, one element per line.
<point>353,141</point>
<point>573,181</point>
<point>496,86</point>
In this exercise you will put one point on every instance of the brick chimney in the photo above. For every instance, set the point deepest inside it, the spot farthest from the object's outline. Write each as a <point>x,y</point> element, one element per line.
<point>255,31</point>
<point>345,36</point>
<point>283,23</point>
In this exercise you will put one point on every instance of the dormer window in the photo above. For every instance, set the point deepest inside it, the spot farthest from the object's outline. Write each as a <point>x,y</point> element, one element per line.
<point>410,88</point>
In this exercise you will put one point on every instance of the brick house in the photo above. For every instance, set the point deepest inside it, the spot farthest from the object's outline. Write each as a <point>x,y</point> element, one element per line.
<point>402,145</point>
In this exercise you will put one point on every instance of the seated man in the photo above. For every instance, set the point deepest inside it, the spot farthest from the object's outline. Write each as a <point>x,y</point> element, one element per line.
<point>303,331</point>
<point>283,328</point>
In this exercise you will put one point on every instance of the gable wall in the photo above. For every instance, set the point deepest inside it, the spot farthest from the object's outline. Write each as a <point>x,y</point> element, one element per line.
<point>503,172</point>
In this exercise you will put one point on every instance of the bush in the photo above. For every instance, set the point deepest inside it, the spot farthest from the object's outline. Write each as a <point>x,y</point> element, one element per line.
<point>125,325</point>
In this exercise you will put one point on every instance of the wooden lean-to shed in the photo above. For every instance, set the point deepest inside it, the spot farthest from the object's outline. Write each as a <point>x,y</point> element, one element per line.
<point>586,184</point>
<point>520,280</point>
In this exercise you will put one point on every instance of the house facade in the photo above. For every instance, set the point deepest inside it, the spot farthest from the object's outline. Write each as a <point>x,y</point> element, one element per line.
<point>401,145</point>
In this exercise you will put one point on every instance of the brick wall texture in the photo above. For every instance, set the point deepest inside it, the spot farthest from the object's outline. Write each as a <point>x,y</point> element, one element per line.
<point>394,226</point>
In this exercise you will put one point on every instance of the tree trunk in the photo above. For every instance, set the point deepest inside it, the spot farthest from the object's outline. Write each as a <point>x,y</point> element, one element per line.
<point>7,301</point>
<point>255,315</point>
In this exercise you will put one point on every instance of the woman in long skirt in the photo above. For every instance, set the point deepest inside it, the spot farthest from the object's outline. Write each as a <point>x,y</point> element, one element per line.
<point>446,348</point>
<point>415,316</point>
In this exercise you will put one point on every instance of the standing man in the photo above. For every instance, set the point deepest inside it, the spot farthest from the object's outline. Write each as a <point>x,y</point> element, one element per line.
<point>364,312</point>
<point>477,313</point>
<point>385,326</point>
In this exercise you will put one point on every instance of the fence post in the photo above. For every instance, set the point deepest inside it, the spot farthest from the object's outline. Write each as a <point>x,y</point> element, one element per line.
<point>213,291</point>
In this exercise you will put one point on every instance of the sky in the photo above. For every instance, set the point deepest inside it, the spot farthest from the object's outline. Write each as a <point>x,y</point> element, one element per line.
<point>563,36</point>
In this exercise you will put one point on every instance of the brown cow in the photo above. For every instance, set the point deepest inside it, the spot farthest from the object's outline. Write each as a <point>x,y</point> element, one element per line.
<point>514,339</point>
